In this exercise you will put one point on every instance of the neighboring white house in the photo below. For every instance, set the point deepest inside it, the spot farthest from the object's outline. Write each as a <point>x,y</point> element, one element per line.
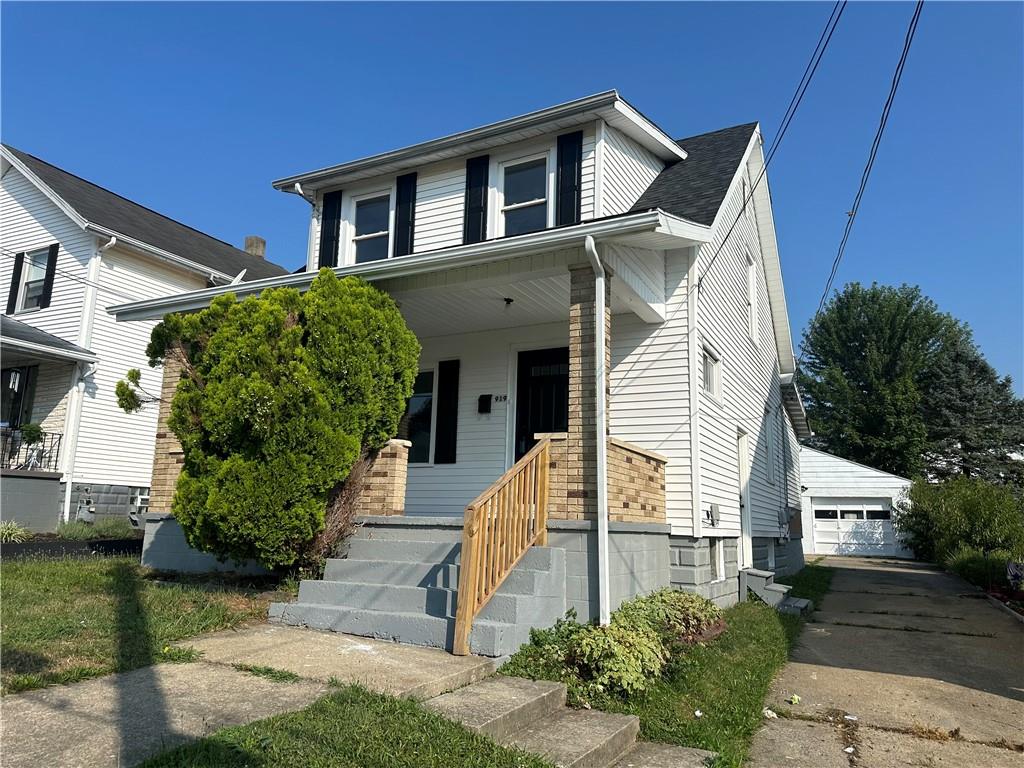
<point>68,250</point>
<point>847,508</point>
<point>495,242</point>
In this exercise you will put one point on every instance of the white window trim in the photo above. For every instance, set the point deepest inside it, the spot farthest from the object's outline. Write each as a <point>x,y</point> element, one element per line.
<point>348,219</point>
<point>715,393</point>
<point>496,193</point>
<point>753,305</point>
<point>433,416</point>
<point>20,308</point>
<point>772,447</point>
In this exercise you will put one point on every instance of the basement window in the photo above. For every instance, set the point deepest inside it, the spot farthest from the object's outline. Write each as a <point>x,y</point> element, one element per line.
<point>717,547</point>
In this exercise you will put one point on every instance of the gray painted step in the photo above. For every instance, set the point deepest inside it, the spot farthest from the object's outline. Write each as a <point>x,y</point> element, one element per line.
<point>649,754</point>
<point>773,594</point>
<point>796,606</point>
<point>405,551</point>
<point>501,706</point>
<point>378,532</point>
<point>582,738</point>
<point>487,638</point>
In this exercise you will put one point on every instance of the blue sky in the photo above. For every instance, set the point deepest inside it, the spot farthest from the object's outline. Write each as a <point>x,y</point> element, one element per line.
<point>192,109</point>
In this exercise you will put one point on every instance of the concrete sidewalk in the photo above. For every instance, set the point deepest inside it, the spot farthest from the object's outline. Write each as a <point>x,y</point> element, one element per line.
<point>904,665</point>
<point>121,719</point>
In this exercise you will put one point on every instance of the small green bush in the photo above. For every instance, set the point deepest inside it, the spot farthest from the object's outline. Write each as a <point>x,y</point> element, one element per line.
<point>104,528</point>
<point>13,533</point>
<point>31,434</point>
<point>986,570</point>
<point>676,616</point>
<point>935,519</point>
<point>620,660</point>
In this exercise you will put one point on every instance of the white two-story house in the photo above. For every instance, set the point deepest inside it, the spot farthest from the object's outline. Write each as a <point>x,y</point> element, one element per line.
<point>68,250</point>
<point>583,285</point>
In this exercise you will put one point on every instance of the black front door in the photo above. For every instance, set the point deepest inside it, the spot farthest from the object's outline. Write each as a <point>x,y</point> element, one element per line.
<point>542,395</point>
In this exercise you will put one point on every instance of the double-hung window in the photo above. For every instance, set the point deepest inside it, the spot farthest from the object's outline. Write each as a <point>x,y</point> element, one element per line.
<point>524,195</point>
<point>33,280</point>
<point>711,373</point>
<point>371,238</point>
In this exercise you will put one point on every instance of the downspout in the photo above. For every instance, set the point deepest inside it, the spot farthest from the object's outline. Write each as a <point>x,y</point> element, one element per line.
<point>604,597</point>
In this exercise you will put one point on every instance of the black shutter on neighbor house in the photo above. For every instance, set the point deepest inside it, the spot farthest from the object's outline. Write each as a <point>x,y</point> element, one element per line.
<point>330,229</point>
<point>51,269</point>
<point>12,297</point>
<point>446,434</point>
<point>475,228</point>
<point>570,178</point>
<point>405,214</point>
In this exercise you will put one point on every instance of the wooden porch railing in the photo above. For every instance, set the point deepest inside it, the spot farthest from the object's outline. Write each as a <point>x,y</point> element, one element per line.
<point>501,524</point>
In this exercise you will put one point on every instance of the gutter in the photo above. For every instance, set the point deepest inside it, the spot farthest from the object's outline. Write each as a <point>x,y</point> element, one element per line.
<point>604,597</point>
<point>654,221</point>
<point>138,245</point>
<point>85,356</point>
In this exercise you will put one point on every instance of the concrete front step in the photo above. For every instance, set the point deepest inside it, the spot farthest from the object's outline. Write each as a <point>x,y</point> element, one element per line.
<point>409,528</point>
<point>773,594</point>
<point>501,706</point>
<point>582,738</point>
<point>505,606</point>
<point>649,754</point>
<point>488,638</point>
<point>796,606</point>
<point>403,550</point>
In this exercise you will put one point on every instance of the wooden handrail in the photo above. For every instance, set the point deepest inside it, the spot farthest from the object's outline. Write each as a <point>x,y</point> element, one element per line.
<point>500,525</point>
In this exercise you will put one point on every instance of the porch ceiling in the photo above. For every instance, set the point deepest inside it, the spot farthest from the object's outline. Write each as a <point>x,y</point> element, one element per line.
<point>468,308</point>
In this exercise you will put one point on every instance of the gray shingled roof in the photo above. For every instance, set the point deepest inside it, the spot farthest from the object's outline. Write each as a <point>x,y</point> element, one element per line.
<point>694,188</point>
<point>13,331</point>
<point>111,211</point>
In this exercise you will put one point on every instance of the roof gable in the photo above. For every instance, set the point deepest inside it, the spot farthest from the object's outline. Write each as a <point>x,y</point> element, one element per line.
<point>695,188</point>
<point>106,209</point>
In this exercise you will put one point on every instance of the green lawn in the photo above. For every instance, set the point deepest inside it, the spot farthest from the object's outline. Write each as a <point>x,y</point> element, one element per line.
<point>810,582</point>
<point>352,728</point>
<point>75,618</point>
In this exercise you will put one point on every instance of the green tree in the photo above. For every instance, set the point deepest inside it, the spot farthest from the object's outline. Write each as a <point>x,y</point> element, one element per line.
<point>863,359</point>
<point>280,396</point>
<point>975,422</point>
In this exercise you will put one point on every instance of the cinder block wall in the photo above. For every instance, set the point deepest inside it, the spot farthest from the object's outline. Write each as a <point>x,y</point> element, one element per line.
<point>638,561</point>
<point>691,569</point>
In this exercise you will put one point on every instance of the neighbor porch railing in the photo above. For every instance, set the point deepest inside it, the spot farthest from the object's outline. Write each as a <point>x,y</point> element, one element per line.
<point>40,456</point>
<point>501,524</point>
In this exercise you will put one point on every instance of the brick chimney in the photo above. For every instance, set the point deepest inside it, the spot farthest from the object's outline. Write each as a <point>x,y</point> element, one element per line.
<point>256,246</point>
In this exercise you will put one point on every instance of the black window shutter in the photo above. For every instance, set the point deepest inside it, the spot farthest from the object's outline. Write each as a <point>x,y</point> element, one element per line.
<point>330,229</point>
<point>445,436</point>
<point>405,214</point>
<point>51,268</point>
<point>570,178</point>
<point>12,297</point>
<point>475,228</point>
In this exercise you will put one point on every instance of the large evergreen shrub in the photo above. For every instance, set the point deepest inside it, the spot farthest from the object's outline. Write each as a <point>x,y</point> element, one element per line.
<point>280,396</point>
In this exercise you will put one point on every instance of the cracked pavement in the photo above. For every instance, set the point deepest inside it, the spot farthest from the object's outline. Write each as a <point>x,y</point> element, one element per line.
<point>903,665</point>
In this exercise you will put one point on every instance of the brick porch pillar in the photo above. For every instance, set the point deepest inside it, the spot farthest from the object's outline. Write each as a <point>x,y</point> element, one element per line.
<point>168,457</point>
<point>581,443</point>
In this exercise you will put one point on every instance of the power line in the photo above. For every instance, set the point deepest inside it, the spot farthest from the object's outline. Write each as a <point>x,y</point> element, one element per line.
<point>794,104</point>
<point>852,215</point>
<point>72,276</point>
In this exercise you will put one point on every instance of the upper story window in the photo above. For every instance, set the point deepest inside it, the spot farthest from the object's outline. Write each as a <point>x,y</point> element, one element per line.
<point>752,313</point>
<point>33,279</point>
<point>711,372</point>
<point>524,186</point>
<point>371,232</point>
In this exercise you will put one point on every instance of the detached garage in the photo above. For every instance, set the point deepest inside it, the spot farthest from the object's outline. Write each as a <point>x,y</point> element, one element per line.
<point>847,508</point>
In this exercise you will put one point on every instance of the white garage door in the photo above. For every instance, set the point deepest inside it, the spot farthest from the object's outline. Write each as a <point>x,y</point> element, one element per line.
<point>855,526</point>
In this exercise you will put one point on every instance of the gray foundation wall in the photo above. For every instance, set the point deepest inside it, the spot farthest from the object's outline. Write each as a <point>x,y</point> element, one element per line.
<point>638,561</point>
<point>31,499</point>
<point>164,548</point>
<point>691,569</point>
<point>107,500</point>
<point>789,555</point>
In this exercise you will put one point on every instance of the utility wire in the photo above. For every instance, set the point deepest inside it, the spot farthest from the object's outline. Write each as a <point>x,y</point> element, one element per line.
<point>852,215</point>
<point>794,104</point>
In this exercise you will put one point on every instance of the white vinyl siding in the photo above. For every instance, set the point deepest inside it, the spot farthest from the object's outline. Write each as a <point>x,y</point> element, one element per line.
<point>50,403</point>
<point>440,201</point>
<point>30,221</point>
<point>482,451</point>
<point>629,170</point>
<point>750,396</point>
<point>115,447</point>
<point>649,380</point>
<point>587,177</point>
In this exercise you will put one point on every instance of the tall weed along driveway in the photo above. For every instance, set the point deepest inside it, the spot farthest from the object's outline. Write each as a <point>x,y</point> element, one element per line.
<point>903,665</point>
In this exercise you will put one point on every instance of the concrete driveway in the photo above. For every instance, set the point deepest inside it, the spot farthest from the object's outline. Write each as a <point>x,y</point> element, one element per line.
<point>904,665</point>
